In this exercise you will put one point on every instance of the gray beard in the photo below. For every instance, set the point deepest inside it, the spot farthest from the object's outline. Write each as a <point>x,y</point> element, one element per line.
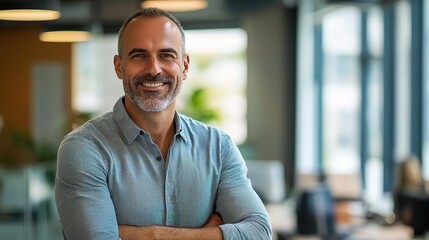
<point>151,103</point>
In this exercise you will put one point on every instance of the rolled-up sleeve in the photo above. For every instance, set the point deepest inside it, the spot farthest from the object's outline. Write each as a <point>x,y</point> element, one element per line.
<point>84,205</point>
<point>242,211</point>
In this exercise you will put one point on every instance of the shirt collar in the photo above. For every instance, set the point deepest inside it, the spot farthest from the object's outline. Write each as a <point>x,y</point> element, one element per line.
<point>178,120</point>
<point>130,130</point>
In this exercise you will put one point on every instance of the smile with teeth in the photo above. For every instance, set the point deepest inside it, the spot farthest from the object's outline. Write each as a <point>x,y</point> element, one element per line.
<point>152,84</point>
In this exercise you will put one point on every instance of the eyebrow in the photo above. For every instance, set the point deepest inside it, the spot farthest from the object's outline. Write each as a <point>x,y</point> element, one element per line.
<point>169,50</point>
<point>136,50</point>
<point>163,50</point>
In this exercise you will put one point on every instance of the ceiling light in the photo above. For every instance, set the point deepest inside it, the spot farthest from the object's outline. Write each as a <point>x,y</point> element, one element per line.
<point>65,34</point>
<point>176,5</point>
<point>29,10</point>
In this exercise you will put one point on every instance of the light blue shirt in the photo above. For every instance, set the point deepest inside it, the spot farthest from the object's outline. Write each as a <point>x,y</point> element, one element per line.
<point>110,172</point>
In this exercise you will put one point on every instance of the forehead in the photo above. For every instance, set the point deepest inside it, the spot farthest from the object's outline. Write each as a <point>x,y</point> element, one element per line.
<point>157,31</point>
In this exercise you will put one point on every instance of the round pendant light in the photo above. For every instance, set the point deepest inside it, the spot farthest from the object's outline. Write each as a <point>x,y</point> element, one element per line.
<point>176,5</point>
<point>20,10</point>
<point>65,34</point>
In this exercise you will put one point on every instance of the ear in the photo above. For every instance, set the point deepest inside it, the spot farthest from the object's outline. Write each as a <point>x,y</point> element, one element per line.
<point>186,61</point>
<point>117,62</point>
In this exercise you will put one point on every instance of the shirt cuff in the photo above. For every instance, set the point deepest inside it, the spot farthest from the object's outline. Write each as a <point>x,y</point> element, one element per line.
<point>228,231</point>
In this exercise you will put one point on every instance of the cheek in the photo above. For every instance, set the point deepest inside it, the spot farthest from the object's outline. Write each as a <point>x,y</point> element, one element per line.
<point>174,68</point>
<point>132,70</point>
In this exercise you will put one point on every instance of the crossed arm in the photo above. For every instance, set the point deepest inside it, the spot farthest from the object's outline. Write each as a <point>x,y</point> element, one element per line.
<point>87,211</point>
<point>210,231</point>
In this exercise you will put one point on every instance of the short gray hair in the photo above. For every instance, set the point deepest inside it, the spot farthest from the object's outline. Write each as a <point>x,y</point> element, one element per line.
<point>149,12</point>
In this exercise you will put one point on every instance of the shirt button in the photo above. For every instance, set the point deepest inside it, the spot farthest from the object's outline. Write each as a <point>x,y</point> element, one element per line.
<point>159,158</point>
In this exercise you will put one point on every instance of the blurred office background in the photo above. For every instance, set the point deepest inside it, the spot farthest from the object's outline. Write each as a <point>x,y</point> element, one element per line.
<point>315,93</point>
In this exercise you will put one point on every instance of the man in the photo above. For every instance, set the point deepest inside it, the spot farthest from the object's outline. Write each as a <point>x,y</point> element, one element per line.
<point>144,171</point>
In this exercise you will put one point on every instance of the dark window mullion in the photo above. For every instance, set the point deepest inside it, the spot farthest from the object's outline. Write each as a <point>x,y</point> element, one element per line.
<point>318,77</point>
<point>417,89</point>
<point>388,97</point>
<point>364,64</point>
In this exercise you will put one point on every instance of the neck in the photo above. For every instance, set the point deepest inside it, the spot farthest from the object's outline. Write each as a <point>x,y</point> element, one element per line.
<point>160,125</point>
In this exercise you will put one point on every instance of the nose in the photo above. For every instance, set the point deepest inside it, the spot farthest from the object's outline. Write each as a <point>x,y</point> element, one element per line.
<point>153,67</point>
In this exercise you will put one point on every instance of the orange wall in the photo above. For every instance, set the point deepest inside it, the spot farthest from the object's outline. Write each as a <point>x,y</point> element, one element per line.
<point>19,49</point>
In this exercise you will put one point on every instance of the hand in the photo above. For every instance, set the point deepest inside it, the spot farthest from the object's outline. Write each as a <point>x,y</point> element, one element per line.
<point>214,220</point>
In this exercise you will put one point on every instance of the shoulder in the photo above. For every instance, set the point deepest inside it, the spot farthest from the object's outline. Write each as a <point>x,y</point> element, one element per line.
<point>89,141</point>
<point>204,136</point>
<point>194,128</point>
<point>93,129</point>
<point>94,135</point>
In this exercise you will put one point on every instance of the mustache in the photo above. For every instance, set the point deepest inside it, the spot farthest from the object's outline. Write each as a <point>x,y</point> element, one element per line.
<point>153,78</point>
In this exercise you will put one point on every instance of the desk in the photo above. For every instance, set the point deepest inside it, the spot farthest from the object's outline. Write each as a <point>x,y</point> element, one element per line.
<point>283,220</point>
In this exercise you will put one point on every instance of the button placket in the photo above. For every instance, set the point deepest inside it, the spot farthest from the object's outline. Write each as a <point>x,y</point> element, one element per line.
<point>153,149</point>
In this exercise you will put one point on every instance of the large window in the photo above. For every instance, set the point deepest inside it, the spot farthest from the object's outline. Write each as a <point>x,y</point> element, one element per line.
<point>215,89</point>
<point>360,85</point>
<point>329,99</point>
<point>341,96</point>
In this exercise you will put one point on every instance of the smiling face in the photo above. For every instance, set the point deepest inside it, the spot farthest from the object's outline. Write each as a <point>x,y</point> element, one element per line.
<point>152,64</point>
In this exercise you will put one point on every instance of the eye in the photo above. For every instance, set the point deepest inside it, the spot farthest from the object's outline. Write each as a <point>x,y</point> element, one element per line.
<point>139,56</point>
<point>167,56</point>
